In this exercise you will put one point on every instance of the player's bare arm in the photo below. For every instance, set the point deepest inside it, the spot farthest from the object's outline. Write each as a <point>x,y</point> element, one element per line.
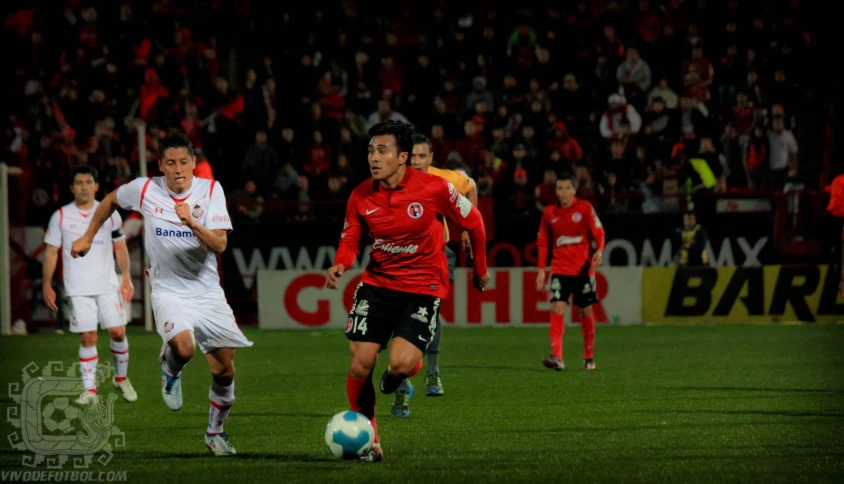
<point>127,289</point>
<point>82,245</point>
<point>214,239</point>
<point>51,256</point>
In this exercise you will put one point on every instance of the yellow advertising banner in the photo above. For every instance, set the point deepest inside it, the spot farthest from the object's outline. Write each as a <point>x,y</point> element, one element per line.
<point>768,294</point>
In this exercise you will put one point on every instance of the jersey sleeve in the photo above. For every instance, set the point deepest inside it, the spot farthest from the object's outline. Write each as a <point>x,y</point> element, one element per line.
<point>461,182</point>
<point>218,213</point>
<point>542,241</point>
<point>596,228</point>
<point>347,251</point>
<point>54,231</point>
<point>130,194</point>
<point>116,227</point>
<point>460,210</point>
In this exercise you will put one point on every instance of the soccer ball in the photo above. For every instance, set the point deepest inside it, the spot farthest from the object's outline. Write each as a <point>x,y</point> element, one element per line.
<point>349,434</point>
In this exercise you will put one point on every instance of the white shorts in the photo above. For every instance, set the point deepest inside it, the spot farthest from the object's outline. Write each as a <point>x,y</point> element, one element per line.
<point>208,316</point>
<point>107,308</point>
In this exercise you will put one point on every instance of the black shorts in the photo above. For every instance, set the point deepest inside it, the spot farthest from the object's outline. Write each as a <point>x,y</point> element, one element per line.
<point>451,257</point>
<point>379,314</point>
<point>581,287</point>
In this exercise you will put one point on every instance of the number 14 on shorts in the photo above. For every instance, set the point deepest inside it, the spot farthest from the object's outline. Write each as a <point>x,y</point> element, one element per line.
<point>356,325</point>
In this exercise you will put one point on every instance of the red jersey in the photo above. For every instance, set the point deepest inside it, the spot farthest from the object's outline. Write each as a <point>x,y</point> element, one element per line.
<point>572,230</point>
<point>406,225</point>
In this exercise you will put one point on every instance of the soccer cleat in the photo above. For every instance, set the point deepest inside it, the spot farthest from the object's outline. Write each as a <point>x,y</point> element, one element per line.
<point>375,454</point>
<point>589,364</point>
<point>433,385</point>
<point>171,390</point>
<point>401,402</point>
<point>219,444</point>
<point>553,362</point>
<point>87,398</point>
<point>126,390</point>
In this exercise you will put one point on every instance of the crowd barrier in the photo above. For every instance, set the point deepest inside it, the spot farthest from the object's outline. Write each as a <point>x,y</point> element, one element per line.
<point>291,299</point>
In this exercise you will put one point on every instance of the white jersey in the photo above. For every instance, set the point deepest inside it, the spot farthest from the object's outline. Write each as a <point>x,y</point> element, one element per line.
<point>179,263</point>
<point>93,274</point>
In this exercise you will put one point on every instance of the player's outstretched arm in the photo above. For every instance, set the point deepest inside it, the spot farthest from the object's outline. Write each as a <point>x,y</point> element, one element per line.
<point>107,206</point>
<point>347,250</point>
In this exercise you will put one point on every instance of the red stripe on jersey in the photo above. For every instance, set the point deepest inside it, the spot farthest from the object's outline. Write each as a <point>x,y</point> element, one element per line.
<point>144,192</point>
<point>179,200</point>
<point>212,190</point>
<point>61,218</point>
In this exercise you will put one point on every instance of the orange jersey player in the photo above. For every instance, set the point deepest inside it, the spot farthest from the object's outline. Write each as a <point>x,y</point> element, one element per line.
<point>571,225</point>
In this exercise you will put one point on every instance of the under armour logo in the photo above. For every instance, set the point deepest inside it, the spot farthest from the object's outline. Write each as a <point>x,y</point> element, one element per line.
<point>159,210</point>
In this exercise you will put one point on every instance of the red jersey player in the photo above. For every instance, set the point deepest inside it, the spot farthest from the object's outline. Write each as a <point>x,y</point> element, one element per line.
<point>572,225</point>
<point>398,300</point>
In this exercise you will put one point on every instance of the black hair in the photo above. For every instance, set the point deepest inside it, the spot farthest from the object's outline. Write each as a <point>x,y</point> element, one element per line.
<point>83,170</point>
<point>402,131</point>
<point>567,175</point>
<point>175,139</point>
<point>419,139</point>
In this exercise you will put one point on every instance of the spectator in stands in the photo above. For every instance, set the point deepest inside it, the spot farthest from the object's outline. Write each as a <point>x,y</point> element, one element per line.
<point>248,203</point>
<point>617,111</point>
<point>634,69</point>
<point>693,240</point>
<point>783,157</point>
<point>261,163</point>
<point>384,113</point>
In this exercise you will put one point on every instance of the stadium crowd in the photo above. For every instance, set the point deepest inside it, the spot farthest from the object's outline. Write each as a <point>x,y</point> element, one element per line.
<point>639,98</point>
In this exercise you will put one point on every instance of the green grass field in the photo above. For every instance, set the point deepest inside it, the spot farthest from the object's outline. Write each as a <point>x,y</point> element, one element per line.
<point>678,404</point>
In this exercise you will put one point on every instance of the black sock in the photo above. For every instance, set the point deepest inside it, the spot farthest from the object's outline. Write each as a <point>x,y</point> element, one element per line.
<point>389,382</point>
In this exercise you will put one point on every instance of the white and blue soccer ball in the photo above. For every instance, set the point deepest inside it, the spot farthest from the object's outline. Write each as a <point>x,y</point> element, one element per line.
<point>349,434</point>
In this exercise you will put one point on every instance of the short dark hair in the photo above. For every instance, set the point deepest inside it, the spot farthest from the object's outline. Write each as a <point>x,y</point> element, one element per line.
<point>83,170</point>
<point>401,130</point>
<point>175,139</point>
<point>567,175</point>
<point>421,139</point>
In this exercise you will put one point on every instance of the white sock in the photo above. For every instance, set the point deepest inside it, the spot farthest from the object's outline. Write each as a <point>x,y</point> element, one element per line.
<point>222,399</point>
<point>120,350</point>
<point>173,365</point>
<point>88,365</point>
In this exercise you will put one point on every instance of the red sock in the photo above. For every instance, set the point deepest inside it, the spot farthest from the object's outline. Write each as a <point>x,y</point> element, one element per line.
<point>361,395</point>
<point>416,369</point>
<point>587,327</point>
<point>556,332</point>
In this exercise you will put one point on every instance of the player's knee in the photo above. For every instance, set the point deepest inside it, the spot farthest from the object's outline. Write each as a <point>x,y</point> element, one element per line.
<point>558,308</point>
<point>183,345</point>
<point>403,365</point>
<point>223,374</point>
<point>117,334</point>
<point>585,311</point>
<point>89,339</point>
<point>360,369</point>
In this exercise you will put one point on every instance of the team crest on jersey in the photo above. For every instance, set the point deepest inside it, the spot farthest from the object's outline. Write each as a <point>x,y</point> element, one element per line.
<point>168,326</point>
<point>350,324</point>
<point>415,210</point>
<point>576,217</point>
<point>197,211</point>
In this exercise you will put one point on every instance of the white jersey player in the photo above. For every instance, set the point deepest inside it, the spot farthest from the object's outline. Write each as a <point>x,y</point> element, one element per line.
<point>92,288</point>
<point>186,223</point>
